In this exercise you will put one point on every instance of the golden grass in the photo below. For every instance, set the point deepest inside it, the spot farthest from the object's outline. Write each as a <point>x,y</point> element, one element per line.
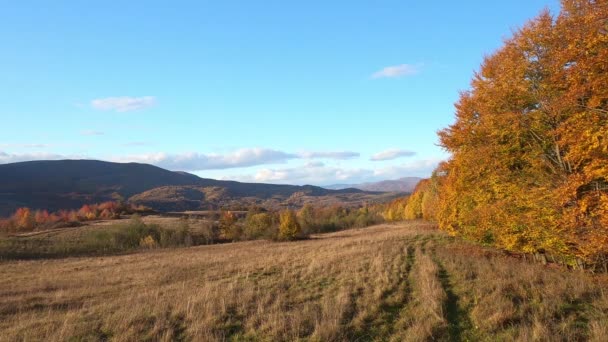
<point>388,282</point>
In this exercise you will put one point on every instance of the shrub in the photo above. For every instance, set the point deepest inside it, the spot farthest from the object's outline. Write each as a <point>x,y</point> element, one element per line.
<point>289,228</point>
<point>228,226</point>
<point>134,234</point>
<point>208,233</point>
<point>24,219</point>
<point>176,237</point>
<point>258,226</point>
<point>148,242</point>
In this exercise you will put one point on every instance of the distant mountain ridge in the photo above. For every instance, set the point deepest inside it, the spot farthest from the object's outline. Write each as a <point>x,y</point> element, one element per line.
<point>66,184</point>
<point>405,184</point>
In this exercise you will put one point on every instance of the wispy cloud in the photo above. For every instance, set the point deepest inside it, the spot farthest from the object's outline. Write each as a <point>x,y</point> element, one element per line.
<point>396,71</point>
<point>419,168</point>
<point>198,161</point>
<point>340,155</point>
<point>123,103</point>
<point>90,132</point>
<point>6,158</point>
<point>194,161</point>
<point>245,157</point>
<point>326,175</point>
<point>311,172</point>
<point>307,175</point>
<point>24,145</point>
<point>314,164</point>
<point>136,144</point>
<point>392,154</point>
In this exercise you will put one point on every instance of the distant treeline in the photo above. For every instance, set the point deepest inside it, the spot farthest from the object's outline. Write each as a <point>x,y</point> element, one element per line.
<point>134,234</point>
<point>529,166</point>
<point>26,219</point>
<point>289,224</point>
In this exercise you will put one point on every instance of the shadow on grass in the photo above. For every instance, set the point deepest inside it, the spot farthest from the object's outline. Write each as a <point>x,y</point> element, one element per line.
<point>459,322</point>
<point>382,326</point>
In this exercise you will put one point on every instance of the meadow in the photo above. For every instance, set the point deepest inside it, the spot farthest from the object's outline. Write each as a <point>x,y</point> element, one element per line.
<point>391,282</point>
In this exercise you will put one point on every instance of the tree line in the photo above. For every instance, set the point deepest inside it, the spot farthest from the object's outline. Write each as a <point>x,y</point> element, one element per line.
<point>222,225</point>
<point>26,219</point>
<point>529,147</point>
<point>288,224</point>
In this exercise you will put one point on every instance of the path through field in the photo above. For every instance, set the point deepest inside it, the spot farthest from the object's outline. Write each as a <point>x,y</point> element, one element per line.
<point>385,283</point>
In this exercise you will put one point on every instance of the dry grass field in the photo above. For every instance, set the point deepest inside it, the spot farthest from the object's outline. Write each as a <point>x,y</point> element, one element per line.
<point>401,282</point>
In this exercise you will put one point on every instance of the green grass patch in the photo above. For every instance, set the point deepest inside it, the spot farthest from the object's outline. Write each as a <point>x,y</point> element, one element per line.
<point>114,239</point>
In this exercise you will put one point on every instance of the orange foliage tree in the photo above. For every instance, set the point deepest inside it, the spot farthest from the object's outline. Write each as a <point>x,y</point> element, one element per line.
<point>529,166</point>
<point>25,219</point>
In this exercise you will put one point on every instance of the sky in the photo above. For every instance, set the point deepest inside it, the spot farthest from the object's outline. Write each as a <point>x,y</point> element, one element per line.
<point>297,92</point>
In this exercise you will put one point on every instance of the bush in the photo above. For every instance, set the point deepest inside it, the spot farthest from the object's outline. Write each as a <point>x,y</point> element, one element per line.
<point>229,226</point>
<point>258,226</point>
<point>98,241</point>
<point>136,234</point>
<point>208,233</point>
<point>148,242</point>
<point>329,219</point>
<point>289,228</point>
<point>176,237</point>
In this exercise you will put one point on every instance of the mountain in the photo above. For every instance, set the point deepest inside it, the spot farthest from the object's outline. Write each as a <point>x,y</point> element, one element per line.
<point>405,184</point>
<point>67,184</point>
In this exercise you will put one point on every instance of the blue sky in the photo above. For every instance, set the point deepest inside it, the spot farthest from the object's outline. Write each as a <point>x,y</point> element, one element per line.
<point>306,92</point>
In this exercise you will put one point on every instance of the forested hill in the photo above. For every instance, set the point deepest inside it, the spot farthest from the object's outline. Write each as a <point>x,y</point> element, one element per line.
<point>405,184</point>
<point>66,184</point>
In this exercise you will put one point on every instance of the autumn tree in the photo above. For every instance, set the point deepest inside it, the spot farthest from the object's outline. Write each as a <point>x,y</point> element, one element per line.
<point>529,146</point>
<point>258,224</point>
<point>413,206</point>
<point>228,225</point>
<point>307,217</point>
<point>41,217</point>
<point>24,219</point>
<point>424,200</point>
<point>289,228</point>
<point>395,210</point>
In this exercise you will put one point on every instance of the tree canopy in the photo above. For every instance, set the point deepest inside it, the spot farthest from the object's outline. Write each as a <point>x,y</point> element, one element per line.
<point>529,146</point>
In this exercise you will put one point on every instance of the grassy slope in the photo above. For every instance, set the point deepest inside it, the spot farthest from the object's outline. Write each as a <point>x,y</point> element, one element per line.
<point>86,240</point>
<point>388,282</point>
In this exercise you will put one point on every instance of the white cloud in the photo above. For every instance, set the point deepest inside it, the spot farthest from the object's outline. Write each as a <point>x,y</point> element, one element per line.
<point>198,161</point>
<point>90,132</point>
<point>193,161</point>
<point>392,154</point>
<point>136,144</point>
<point>395,71</point>
<point>245,157</point>
<point>306,175</point>
<point>123,103</point>
<point>418,168</point>
<point>24,146</point>
<point>326,175</point>
<point>314,164</point>
<point>6,158</point>
<point>341,155</point>
<point>312,172</point>
<point>182,162</point>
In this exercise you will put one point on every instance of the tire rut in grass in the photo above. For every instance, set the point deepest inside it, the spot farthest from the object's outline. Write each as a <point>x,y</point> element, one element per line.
<point>382,325</point>
<point>407,293</point>
<point>459,322</point>
<point>394,311</point>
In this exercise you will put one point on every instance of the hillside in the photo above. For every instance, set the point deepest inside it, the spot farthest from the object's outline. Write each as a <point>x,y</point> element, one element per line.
<point>67,184</point>
<point>402,282</point>
<point>405,184</point>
